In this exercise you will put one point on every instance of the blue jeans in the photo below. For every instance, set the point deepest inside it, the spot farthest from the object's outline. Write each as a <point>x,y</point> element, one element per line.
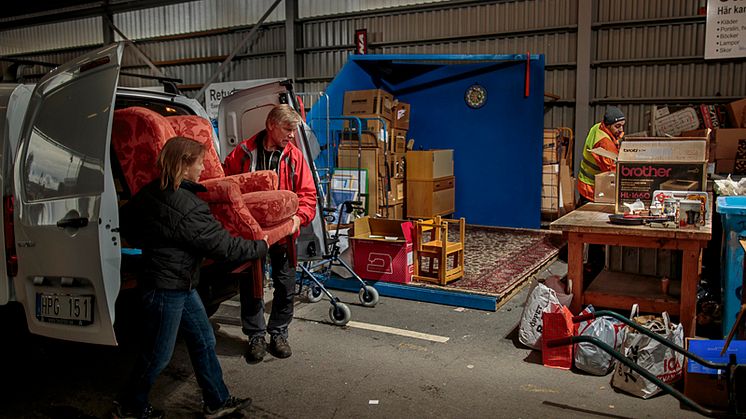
<point>252,307</point>
<point>167,312</point>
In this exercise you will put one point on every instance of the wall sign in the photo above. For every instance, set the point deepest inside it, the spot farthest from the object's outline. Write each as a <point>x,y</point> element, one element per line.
<point>725,33</point>
<point>215,93</point>
<point>361,41</point>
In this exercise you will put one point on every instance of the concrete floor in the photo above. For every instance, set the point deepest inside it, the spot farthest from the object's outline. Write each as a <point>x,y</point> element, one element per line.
<point>340,372</point>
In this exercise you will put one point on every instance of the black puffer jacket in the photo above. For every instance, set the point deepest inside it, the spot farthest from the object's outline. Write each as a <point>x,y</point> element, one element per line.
<point>175,231</point>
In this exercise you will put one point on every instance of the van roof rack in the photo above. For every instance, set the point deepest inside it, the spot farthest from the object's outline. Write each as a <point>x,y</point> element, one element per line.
<point>169,83</point>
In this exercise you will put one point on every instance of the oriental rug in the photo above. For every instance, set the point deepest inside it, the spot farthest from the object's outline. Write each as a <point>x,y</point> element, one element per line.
<point>498,260</point>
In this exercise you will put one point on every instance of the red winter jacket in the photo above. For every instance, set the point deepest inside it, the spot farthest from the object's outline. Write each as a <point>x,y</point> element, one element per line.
<point>293,172</point>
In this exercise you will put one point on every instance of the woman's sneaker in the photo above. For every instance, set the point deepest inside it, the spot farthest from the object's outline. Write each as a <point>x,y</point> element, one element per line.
<point>231,405</point>
<point>120,412</point>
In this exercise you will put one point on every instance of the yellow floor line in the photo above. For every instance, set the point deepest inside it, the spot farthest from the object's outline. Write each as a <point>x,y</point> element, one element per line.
<point>399,332</point>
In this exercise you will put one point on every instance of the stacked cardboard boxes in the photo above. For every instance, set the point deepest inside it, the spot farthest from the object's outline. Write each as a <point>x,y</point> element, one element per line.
<point>729,151</point>
<point>376,145</point>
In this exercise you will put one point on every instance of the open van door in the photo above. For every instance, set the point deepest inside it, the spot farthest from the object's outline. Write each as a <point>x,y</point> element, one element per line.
<point>65,212</point>
<point>242,115</point>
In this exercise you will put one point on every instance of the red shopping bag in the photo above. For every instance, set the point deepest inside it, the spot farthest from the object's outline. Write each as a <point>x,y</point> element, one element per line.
<point>557,325</point>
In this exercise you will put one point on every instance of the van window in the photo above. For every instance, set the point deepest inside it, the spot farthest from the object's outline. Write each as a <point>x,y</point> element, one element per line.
<point>67,143</point>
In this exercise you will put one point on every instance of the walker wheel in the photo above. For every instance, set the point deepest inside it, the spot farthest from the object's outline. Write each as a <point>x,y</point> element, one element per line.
<point>340,314</point>
<point>314,293</point>
<point>368,296</point>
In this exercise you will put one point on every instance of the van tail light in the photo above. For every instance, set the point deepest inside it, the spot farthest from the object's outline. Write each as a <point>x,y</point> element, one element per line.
<point>11,259</point>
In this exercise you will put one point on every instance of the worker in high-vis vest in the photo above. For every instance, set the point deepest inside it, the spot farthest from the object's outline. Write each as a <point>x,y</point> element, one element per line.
<point>606,134</point>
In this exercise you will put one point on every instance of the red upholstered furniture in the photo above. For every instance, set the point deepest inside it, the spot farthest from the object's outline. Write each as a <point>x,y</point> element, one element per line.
<point>271,208</point>
<point>247,205</point>
<point>137,135</point>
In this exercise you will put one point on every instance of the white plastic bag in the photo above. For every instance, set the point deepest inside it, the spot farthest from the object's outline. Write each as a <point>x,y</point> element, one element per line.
<point>658,359</point>
<point>560,289</point>
<point>589,357</point>
<point>542,299</point>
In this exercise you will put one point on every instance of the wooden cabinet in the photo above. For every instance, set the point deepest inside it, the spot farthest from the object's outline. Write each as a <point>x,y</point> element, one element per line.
<point>431,185</point>
<point>429,165</point>
<point>428,198</point>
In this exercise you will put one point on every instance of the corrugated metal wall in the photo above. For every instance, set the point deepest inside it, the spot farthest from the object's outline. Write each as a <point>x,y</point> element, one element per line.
<point>53,36</point>
<point>643,52</point>
<point>194,16</point>
<point>312,8</point>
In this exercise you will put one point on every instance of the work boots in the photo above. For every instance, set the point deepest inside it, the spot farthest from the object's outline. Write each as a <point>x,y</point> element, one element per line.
<point>279,347</point>
<point>257,349</point>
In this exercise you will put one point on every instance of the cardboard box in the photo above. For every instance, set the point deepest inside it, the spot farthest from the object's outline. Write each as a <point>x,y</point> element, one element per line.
<point>382,249</point>
<point>396,165</point>
<point>704,385</point>
<point>605,188</point>
<point>674,123</point>
<point>645,164</point>
<point>371,160</point>
<point>398,140</point>
<point>369,122</point>
<point>392,212</point>
<point>737,113</point>
<point>730,167</point>
<point>395,194</point>
<point>730,143</point>
<point>369,102</point>
<point>567,188</point>
<point>550,153</point>
<point>706,133</point>
<point>401,115</point>
<point>350,139</point>
<point>674,150</point>
<point>638,180</point>
<point>708,114</point>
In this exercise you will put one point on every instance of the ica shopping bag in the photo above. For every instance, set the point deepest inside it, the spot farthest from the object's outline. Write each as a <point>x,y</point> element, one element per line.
<point>660,360</point>
<point>557,325</point>
<point>541,299</point>
<point>589,357</point>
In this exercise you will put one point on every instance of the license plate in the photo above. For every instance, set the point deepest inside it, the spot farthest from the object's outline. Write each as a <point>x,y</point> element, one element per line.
<point>64,308</point>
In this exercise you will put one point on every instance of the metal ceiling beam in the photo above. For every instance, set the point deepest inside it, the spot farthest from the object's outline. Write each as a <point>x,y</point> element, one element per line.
<point>291,16</point>
<point>92,9</point>
<point>583,78</point>
<point>237,48</point>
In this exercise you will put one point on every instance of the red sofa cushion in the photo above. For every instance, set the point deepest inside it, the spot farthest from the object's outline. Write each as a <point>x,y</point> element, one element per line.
<point>271,207</point>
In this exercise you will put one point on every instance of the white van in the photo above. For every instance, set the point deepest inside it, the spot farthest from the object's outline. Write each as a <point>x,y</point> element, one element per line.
<point>63,259</point>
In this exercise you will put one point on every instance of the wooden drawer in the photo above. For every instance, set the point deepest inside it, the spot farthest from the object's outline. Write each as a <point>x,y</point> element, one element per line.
<point>444,183</point>
<point>428,198</point>
<point>429,165</point>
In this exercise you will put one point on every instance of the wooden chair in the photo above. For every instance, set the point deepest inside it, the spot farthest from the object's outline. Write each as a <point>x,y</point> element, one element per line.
<point>431,242</point>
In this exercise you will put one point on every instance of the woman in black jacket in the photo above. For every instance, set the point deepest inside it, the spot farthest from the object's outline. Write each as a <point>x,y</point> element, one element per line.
<point>175,230</point>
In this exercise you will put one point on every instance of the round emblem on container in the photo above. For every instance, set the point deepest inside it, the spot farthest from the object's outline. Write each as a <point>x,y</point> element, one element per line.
<point>475,96</point>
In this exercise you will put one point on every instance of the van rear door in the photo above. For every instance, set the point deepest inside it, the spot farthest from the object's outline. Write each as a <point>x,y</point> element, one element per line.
<point>66,214</point>
<point>242,115</point>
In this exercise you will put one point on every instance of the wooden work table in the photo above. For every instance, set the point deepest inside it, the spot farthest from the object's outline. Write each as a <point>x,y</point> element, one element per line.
<point>590,224</point>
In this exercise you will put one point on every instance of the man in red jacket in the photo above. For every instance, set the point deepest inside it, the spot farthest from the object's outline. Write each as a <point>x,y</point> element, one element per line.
<point>273,149</point>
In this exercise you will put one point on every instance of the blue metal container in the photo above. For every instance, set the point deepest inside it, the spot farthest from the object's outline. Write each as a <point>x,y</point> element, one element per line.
<point>733,212</point>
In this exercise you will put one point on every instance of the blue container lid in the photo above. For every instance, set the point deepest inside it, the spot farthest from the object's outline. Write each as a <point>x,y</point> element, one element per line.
<point>731,205</point>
